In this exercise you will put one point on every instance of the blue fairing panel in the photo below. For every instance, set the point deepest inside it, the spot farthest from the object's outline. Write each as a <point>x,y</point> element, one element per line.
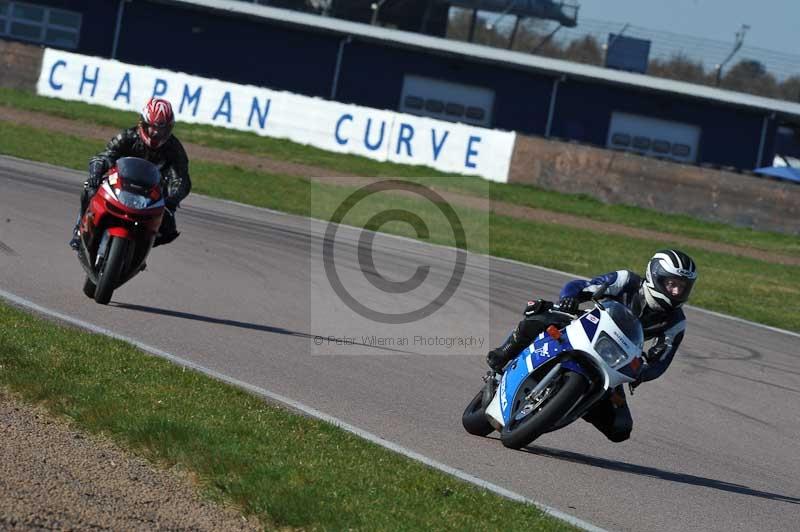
<point>514,376</point>
<point>543,350</point>
<point>590,325</point>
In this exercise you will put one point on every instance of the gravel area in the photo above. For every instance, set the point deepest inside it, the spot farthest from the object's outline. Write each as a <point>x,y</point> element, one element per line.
<point>53,477</point>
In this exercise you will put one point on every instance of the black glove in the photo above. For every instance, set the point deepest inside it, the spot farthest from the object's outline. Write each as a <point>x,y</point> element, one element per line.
<point>537,307</point>
<point>568,305</point>
<point>93,183</point>
<point>96,171</point>
<point>655,353</point>
<point>171,204</point>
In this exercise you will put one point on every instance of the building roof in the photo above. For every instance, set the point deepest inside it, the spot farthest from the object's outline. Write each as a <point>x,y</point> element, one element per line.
<point>520,60</point>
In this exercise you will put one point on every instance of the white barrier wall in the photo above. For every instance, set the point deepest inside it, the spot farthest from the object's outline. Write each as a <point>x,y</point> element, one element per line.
<point>332,126</point>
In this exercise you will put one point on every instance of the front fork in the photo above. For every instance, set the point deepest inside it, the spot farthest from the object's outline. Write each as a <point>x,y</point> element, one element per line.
<point>101,250</point>
<point>545,382</point>
<point>491,382</point>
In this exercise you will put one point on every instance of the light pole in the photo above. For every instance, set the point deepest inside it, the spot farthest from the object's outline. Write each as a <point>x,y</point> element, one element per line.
<point>376,7</point>
<point>736,46</point>
<point>118,27</point>
<point>490,25</point>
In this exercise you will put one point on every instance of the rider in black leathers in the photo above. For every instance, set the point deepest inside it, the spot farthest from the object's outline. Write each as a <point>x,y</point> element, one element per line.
<point>150,139</point>
<point>656,300</point>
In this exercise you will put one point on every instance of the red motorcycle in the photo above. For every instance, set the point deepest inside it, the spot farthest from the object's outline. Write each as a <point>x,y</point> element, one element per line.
<point>119,226</point>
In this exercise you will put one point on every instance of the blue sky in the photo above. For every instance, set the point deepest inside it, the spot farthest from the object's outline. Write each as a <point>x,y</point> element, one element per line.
<point>774,24</point>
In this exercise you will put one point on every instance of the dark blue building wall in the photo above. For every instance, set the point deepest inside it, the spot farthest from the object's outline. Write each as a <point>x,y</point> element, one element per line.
<point>230,48</point>
<point>372,75</point>
<point>730,136</point>
<point>768,156</point>
<point>788,144</point>
<point>267,53</point>
<point>97,23</point>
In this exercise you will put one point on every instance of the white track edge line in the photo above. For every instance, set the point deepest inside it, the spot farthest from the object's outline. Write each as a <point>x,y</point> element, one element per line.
<point>312,412</point>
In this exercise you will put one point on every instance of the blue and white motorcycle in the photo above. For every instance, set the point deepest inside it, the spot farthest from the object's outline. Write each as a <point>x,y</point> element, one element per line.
<point>558,378</point>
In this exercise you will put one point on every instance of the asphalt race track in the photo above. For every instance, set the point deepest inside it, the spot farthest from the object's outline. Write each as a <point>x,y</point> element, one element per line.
<point>243,292</point>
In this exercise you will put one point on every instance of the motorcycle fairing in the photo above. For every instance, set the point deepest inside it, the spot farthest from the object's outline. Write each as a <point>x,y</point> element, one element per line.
<point>544,350</point>
<point>577,331</point>
<point>577,338</point>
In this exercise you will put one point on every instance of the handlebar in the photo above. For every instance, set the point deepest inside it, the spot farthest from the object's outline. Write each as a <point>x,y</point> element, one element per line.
<point>601,291</point>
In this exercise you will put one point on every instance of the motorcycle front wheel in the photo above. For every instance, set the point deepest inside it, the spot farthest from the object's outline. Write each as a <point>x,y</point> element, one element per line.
<point>89,288</point>
<point>474,417</point>
<point>108,277</point>
<point>533,417</point>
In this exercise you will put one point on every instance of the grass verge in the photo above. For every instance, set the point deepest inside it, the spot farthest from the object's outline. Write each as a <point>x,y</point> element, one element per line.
<point>286,469</point>
<point>751,289</point>
<point>279,149</point>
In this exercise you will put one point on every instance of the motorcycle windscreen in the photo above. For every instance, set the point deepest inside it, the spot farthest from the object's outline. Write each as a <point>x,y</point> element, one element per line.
<point>139,172</point>
<point>629,324</point>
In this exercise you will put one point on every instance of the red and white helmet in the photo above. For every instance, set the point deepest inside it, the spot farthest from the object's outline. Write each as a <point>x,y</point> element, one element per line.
<point>156,122</point>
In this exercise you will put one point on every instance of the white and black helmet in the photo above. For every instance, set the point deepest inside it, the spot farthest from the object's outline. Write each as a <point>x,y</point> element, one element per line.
<point>670,277</point>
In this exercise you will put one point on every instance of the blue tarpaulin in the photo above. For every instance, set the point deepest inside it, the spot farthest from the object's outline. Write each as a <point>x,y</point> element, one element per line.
<point>781,172</point>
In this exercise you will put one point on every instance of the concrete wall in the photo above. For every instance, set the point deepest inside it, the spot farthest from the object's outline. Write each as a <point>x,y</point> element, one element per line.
<point>19,65</point>
<point>618,177</point>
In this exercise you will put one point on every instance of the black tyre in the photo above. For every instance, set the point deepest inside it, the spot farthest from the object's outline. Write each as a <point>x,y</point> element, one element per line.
<point>110,271</point>
<point>474,416</point>
<point>89,288</point>
<point>565,390</point>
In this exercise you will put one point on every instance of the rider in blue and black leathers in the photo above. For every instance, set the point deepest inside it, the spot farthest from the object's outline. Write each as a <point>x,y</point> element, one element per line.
<point>656,299</point>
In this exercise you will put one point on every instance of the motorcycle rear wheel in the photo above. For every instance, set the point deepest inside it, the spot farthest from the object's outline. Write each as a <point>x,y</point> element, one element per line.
<point>108,276</point>
<point>518,433</point>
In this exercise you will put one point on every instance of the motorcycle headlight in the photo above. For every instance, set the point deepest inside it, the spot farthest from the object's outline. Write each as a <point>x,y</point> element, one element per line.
<point>134,201</point>
<point>609,350</point>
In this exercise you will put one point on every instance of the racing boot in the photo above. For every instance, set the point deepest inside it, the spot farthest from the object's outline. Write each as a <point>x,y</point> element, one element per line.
<point>168,230</point>
<point>165,238</point>
<point>86,195</point>
<point>75,242</point>
<point>498,357</point>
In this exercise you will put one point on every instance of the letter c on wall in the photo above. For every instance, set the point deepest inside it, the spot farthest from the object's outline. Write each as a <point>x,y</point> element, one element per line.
<point>53,84</point>
<point>339,122</point>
